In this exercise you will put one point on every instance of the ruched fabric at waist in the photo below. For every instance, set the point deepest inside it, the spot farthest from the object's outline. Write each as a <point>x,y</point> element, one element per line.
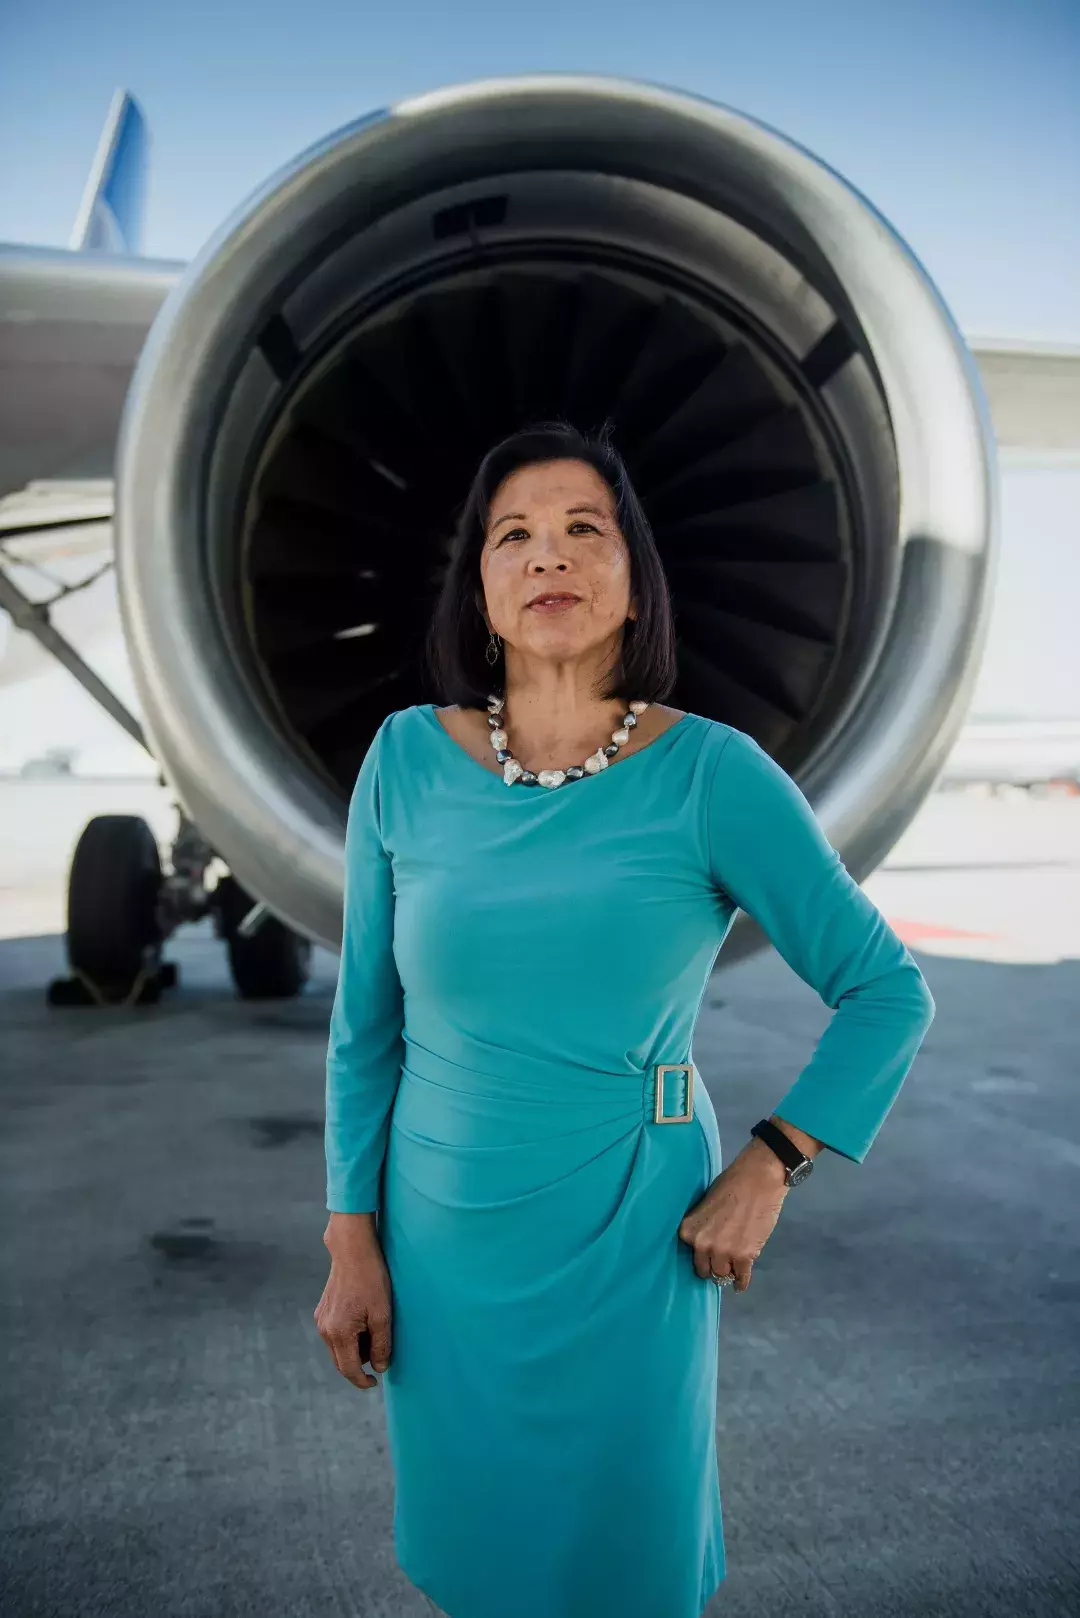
<point>530,1098</point>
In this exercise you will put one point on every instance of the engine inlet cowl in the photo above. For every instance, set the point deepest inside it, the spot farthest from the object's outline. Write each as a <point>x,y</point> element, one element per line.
<point>797,409</point>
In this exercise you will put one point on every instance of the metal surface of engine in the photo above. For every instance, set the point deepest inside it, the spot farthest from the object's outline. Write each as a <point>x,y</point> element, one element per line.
<point>797,409</point>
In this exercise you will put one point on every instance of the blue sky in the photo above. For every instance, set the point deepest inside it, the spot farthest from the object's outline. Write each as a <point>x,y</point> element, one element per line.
<point>959,120</point>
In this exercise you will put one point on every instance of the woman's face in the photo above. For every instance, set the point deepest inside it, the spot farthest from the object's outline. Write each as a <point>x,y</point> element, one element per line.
<point>552,527</point>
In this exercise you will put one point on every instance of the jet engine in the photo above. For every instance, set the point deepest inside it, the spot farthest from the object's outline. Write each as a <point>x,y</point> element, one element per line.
<point>797,408</point>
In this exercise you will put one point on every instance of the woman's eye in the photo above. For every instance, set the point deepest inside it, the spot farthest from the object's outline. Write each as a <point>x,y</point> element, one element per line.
<point>514,532</point>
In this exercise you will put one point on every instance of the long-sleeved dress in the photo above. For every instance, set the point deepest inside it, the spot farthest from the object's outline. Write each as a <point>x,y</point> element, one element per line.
<point>515,963</point>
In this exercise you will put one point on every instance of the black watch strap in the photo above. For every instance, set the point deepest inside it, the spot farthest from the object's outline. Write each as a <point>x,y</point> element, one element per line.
<point>798,1166</point>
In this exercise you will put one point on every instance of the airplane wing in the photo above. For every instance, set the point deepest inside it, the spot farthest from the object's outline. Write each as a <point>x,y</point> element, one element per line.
<point>1034,395</point>
<point>71,329</point>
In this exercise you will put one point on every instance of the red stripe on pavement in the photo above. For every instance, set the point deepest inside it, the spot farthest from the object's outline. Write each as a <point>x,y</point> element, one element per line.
<point>911,931</point>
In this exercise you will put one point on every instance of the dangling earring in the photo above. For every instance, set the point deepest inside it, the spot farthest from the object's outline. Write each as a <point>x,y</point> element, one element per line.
<point>491,650</point>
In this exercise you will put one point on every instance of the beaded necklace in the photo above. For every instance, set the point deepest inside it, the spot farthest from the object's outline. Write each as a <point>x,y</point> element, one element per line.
<point>514,772</point>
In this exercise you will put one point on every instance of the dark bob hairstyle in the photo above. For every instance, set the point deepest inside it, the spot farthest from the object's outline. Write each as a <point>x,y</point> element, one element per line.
<point>457,636</point>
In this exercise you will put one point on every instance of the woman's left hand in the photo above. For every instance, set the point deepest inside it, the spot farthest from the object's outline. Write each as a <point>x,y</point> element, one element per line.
<point>729,1227</point>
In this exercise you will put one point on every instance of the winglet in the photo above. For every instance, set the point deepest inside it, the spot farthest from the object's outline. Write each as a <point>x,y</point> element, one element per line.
<point>110,214</point>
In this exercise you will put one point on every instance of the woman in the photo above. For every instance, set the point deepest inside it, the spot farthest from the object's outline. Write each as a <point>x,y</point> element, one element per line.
<point>537,886</point>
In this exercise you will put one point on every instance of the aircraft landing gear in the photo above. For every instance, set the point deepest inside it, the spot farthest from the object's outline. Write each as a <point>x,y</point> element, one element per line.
<point>115,931</point>
<point>122,908</point>
<point>268,960</point>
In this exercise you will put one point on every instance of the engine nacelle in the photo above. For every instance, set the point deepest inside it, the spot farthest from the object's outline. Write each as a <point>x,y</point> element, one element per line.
<point>797,408</point>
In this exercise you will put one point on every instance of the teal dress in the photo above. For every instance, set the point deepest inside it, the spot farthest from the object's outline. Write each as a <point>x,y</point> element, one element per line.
<point>516,962</point>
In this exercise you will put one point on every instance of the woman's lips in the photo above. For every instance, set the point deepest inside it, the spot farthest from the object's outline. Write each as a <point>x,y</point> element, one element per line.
<point>558,605</point>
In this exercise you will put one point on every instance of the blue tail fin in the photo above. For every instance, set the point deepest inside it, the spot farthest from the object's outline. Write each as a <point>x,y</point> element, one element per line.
<point>110,214</point>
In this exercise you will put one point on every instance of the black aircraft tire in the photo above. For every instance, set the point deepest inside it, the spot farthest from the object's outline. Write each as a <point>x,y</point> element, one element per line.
<point>112,921</point>
<point>273,964</point>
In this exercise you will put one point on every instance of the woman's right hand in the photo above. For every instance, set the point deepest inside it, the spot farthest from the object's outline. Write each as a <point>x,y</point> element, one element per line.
<point>357,1298</point>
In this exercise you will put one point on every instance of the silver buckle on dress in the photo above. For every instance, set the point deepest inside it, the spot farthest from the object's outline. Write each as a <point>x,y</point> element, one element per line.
<point>659,1116</point>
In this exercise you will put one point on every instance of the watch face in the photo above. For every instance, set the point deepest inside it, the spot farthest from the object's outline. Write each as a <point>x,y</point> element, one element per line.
<point>800,1171</point>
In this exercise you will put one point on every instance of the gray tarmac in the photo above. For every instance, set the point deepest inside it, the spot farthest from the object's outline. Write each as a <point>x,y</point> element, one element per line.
<point>898,1409</point>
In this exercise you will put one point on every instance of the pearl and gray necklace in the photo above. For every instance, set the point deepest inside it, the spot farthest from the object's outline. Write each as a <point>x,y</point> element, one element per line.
<point>513,771</point>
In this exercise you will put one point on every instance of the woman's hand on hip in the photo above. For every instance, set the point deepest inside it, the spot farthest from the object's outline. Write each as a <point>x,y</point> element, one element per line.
<point>732,1222</point>
<point>355,1313</point>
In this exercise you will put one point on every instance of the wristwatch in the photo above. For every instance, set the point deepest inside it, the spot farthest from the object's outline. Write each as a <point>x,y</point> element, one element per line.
<point>796,1165</point>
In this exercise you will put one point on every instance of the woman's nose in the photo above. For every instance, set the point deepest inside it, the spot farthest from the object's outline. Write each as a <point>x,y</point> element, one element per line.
<point>548,549</point>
